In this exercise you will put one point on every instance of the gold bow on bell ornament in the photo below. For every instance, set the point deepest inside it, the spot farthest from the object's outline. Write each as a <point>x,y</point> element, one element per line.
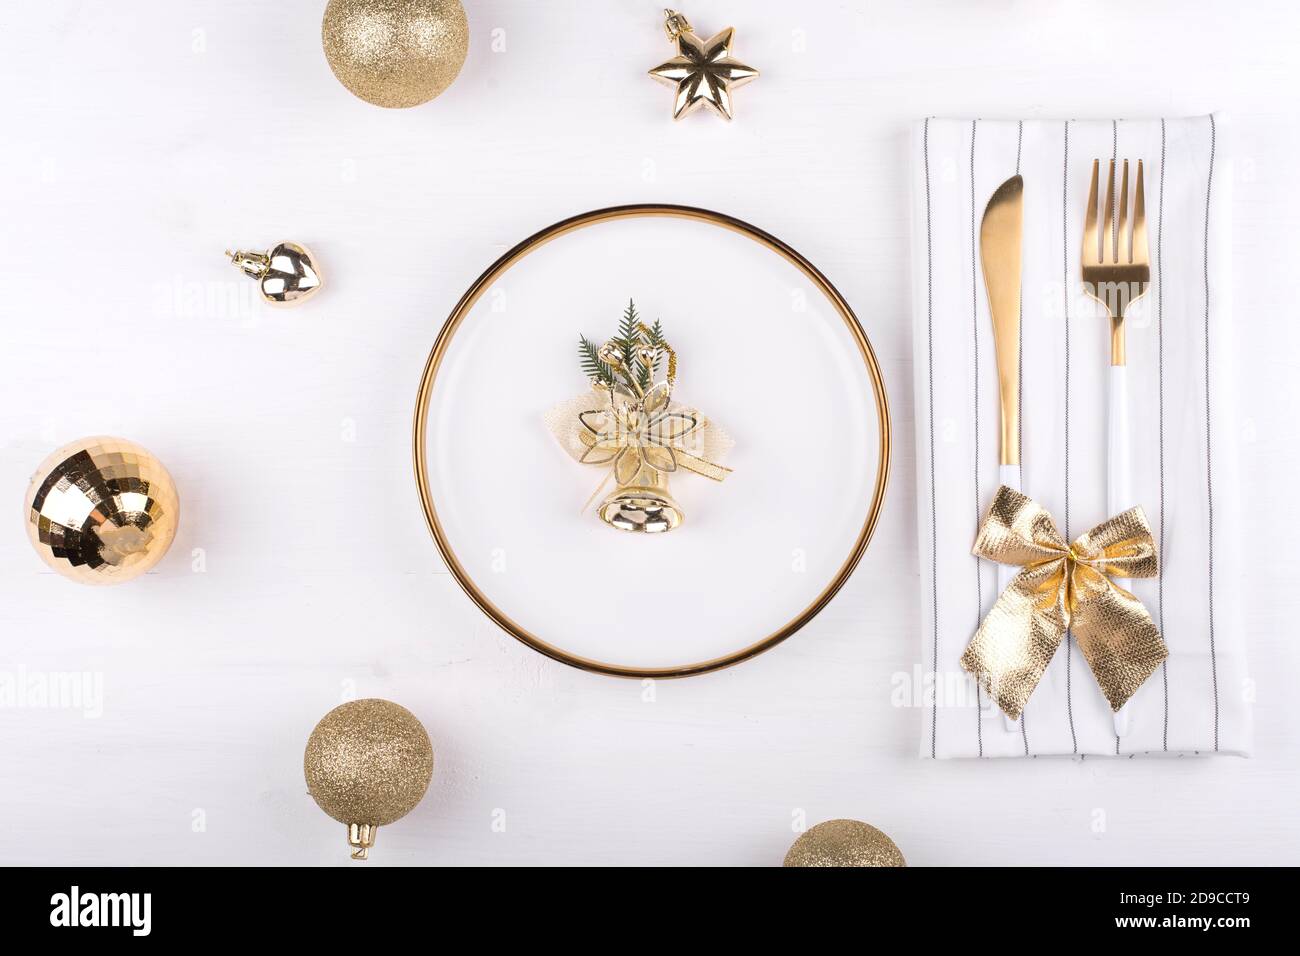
<point>1064,588</point>
<point>636,429</point>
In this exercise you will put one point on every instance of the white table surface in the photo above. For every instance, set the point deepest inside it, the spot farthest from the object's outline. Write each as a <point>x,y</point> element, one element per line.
<point>141,140</point>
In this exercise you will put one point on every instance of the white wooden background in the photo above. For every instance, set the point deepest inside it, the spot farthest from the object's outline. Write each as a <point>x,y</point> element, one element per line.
<point>139,140</point>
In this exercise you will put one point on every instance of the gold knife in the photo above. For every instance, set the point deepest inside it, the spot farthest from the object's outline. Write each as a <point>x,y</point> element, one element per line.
<point>1000,234</point>
<point>1000,239</point>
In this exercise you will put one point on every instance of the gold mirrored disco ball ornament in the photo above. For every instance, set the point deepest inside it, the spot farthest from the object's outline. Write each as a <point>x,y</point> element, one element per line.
<point>367,764</point>
<point>101,510</point>
<point>395,53</point>
<point>844,843</point>
<point>286,273</point>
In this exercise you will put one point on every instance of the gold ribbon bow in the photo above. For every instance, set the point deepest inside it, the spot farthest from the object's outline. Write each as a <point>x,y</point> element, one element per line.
<point>1064,588</point>
<point>651,432</point>
<point>636,435</point>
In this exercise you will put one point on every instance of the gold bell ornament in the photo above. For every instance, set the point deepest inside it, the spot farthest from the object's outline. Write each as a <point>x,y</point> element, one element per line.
<point>367,764</point>
<point>844,843</point>
<point>286,274</point>
<point>643,504</point>
<point>395,53</point>
<point>629,422</point>
<point>102,510</point>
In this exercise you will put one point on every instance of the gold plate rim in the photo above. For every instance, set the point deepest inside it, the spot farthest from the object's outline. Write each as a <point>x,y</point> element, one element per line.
<point>471,297</point>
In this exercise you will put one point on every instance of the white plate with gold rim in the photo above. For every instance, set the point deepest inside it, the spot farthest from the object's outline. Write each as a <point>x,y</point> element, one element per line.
<point>767,348</point>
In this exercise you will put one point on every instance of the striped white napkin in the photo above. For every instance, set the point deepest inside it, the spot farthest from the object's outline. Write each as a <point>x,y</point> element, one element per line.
<point>1184,429</point>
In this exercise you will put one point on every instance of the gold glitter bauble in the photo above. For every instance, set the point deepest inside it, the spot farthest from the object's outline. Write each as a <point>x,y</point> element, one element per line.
<point>102,510</point>
<point>844,843</point>
<point>395,53</point>
<point>368,763</point>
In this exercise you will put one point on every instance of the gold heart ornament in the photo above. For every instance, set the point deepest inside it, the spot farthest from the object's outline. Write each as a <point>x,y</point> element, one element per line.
<point>287,274</point>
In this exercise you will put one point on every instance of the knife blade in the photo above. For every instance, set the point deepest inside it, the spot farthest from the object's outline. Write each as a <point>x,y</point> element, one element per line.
<point>1000,241</point>
<point>1000,235</point>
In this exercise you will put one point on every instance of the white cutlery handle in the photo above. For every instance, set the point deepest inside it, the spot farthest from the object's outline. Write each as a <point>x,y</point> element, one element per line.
<point>1117,444</point>
<point>1118,496</point>
<point>1008,475</point>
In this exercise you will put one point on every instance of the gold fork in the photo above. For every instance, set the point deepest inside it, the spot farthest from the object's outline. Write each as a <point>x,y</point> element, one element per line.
<point>1116,272</point>
<point>1116,261</point>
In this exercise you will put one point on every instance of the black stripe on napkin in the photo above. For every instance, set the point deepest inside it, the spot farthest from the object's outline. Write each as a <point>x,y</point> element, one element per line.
<point>934,513</point>
<point>1065,290</point>
<point>975,419</point>
<point>1160,378</point>
<point>1209,460</point>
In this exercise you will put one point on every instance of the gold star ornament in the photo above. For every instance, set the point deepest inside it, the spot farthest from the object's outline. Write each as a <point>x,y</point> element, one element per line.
<point>703,71</point>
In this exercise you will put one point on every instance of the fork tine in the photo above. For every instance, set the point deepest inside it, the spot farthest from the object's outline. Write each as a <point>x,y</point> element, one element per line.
<point>1141,253</point>
<point>1123,239</point>
<point>1108,223</point>
<point>1090,237</point>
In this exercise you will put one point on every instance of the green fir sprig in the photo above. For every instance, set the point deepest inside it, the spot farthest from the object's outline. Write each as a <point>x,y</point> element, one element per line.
<point>592,366</point>
<point>633,335</point>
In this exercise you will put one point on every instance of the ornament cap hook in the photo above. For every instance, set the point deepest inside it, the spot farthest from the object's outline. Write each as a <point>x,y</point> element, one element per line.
<point>361,837</point>
<point>253,264</point>
<point>676,23</point>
